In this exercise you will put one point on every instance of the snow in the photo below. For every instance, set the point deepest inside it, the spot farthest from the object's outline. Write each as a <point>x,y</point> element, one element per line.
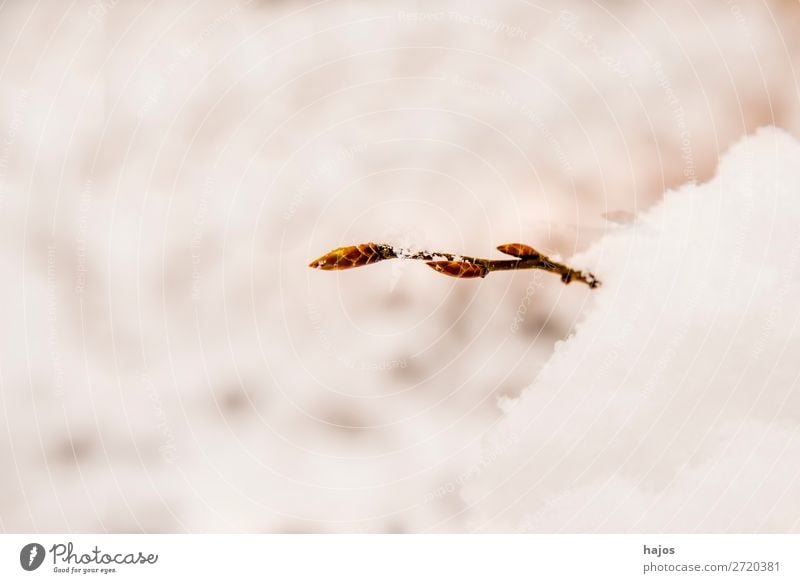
<point>675,405</point>
<point>169,363</point>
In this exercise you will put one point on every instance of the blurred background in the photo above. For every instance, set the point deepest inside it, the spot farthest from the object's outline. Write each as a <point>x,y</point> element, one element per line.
<point>168,362</point>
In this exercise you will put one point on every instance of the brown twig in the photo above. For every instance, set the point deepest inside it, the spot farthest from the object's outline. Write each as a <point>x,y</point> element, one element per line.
<point>459,266</point>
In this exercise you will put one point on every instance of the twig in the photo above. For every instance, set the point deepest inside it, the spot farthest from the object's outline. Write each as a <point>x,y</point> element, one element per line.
<point>453,265</point>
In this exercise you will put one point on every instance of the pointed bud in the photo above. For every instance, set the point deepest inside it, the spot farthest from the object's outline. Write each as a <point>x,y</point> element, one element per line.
<point>460,269</point>
<point>349,257</point>
<point>519,250</point>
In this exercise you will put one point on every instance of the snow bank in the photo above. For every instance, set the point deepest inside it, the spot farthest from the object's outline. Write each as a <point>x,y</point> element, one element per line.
<point>674,406</point>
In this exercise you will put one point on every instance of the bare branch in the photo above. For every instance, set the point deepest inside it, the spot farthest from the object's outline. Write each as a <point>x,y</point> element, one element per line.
<point>451,264</point>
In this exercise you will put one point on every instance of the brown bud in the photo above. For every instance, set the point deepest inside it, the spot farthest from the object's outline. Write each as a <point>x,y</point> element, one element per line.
<point>519,250</point>
<point>460,269</point>
<point>348,257</point>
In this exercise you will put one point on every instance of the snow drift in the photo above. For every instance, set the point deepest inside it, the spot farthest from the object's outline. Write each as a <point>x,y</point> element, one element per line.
<point>674,406</point>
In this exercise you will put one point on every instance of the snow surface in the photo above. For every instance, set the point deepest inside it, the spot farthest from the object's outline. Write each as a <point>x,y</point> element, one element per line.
<point>169,363</point>
<point>675,405</point>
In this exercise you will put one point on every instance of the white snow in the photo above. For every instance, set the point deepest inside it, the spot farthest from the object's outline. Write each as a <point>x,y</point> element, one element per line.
<point>675,406</point>
<point>168,362</point>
